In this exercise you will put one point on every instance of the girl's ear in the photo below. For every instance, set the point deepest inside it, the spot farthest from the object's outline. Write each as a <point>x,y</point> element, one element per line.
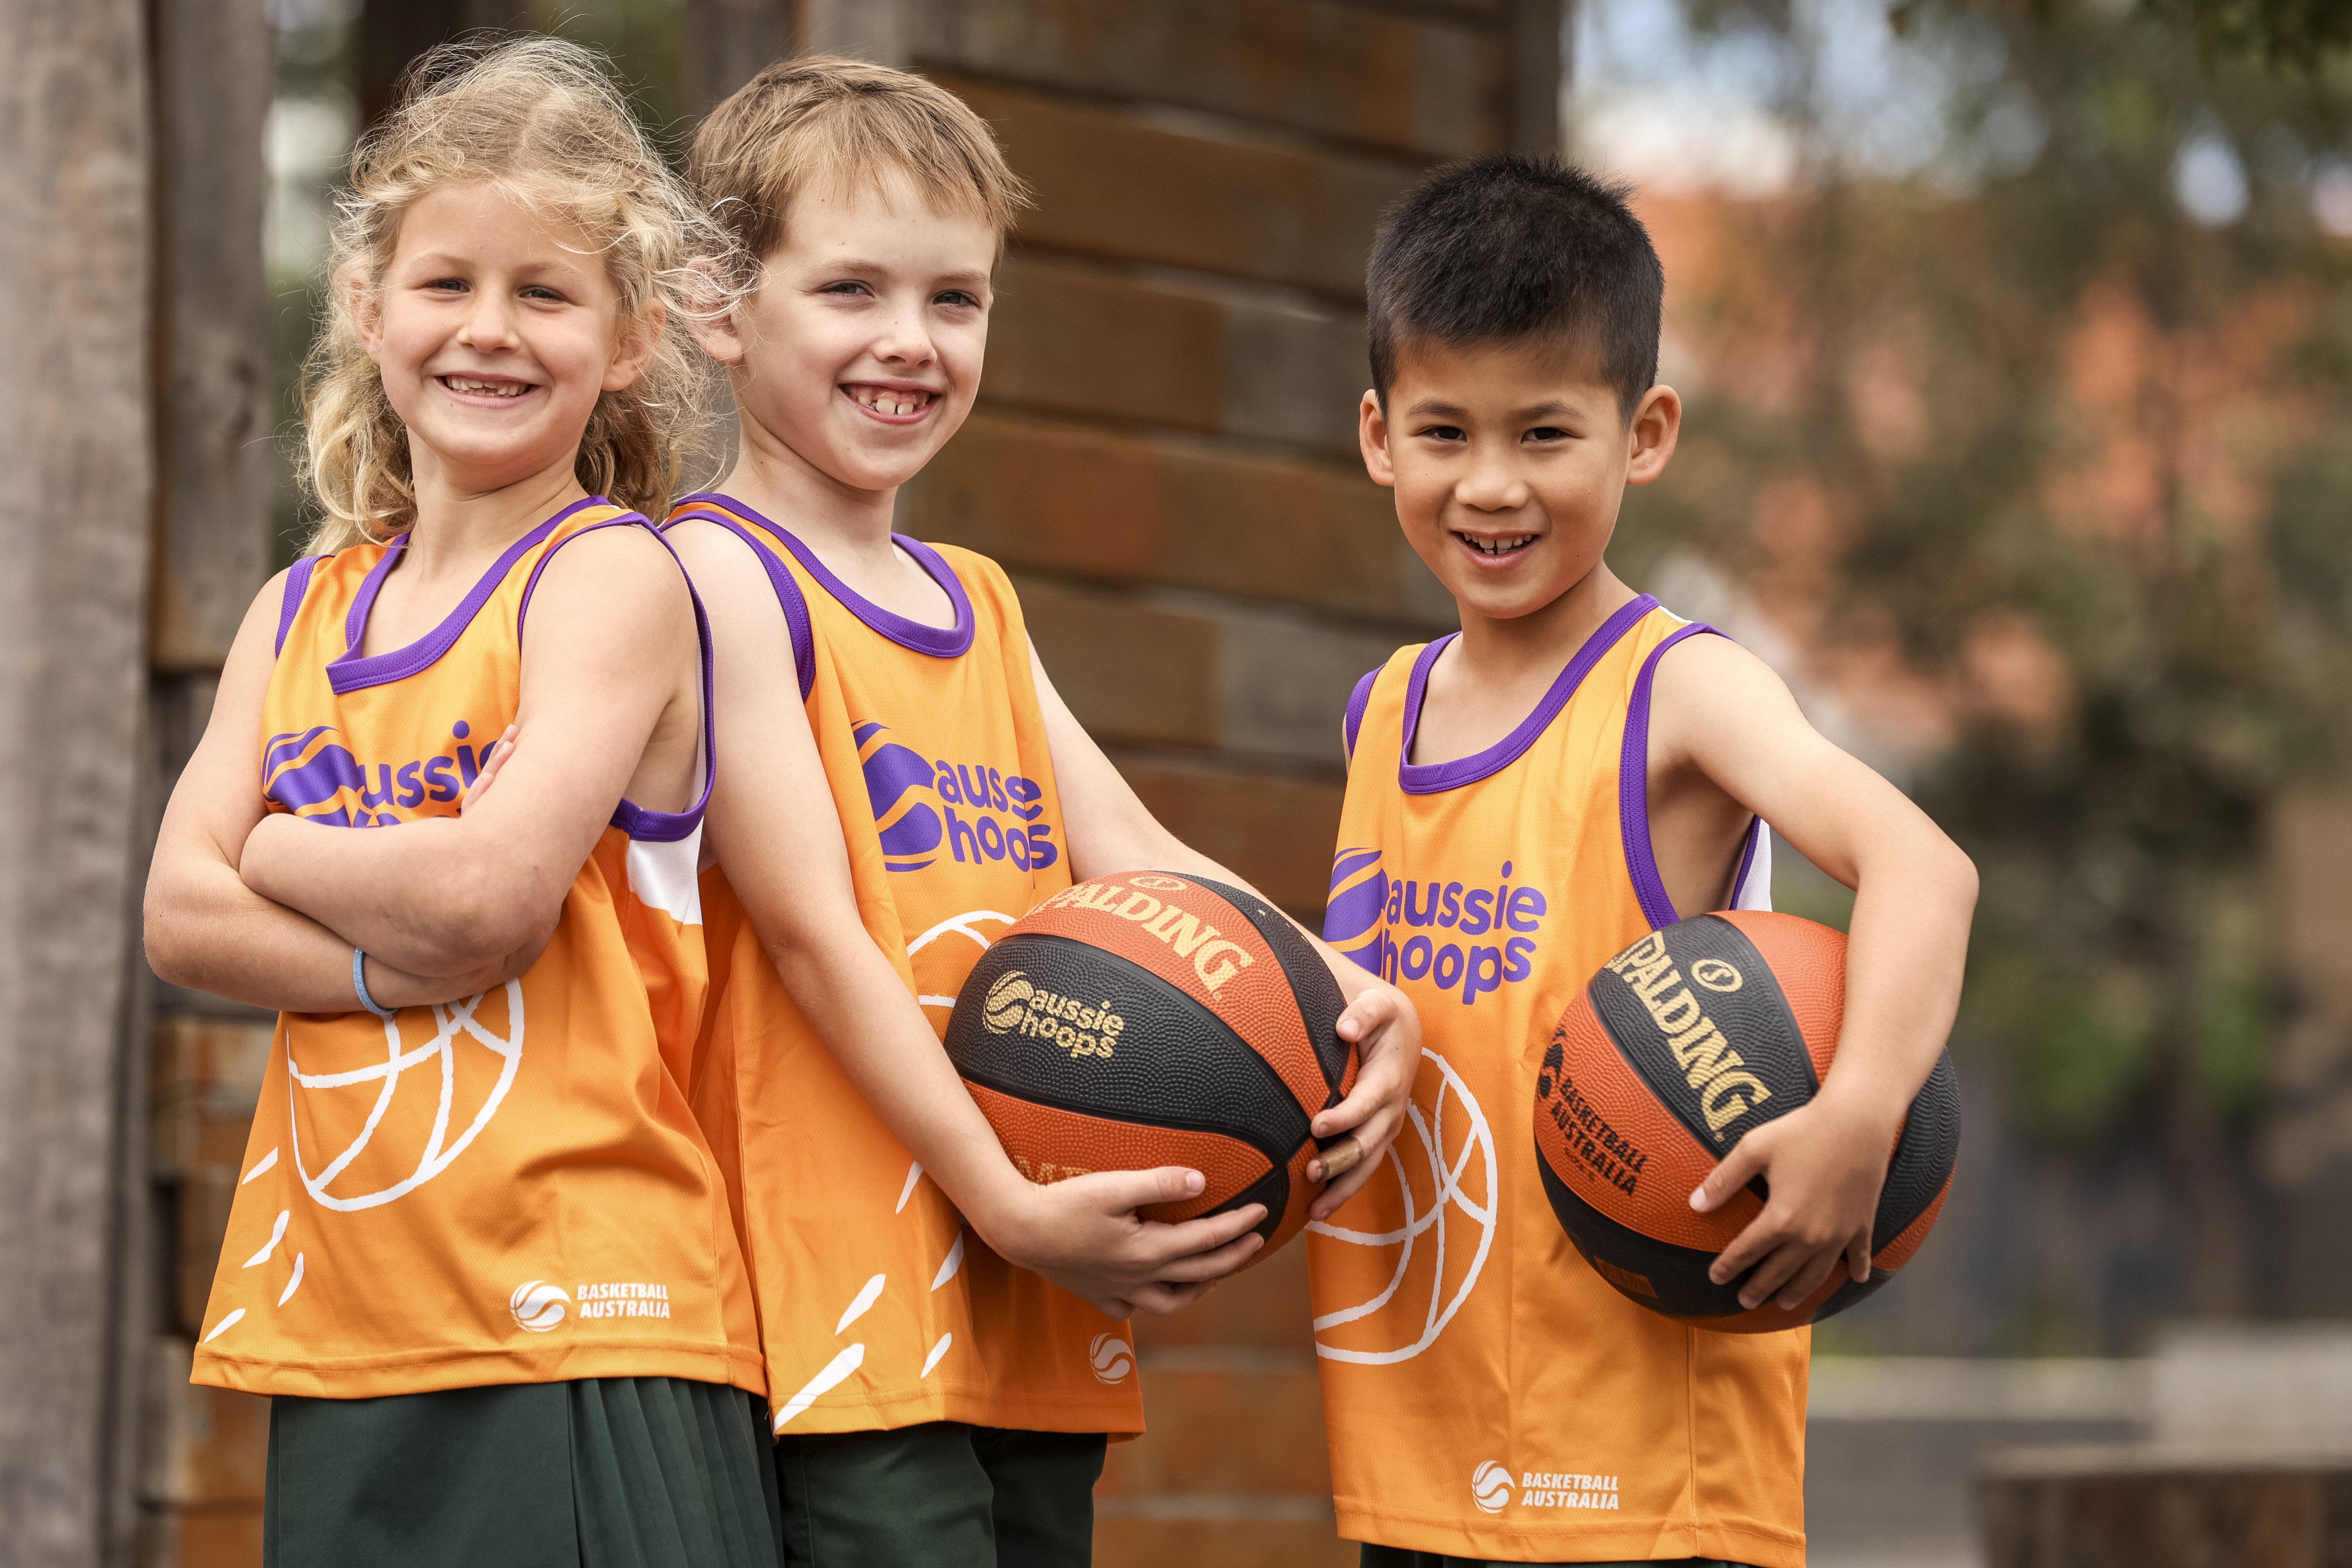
<point>367,320</point>
<point>711,314</point>
<point>639,336</point>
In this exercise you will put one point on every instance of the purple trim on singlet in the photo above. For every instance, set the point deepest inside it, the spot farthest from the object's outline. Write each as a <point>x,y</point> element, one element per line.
<point>1432,778</point>
<point>938,642</point>
<point>780,578</point>
<point>641,826</point>
<point>1746,859</point>
<point>1358,701</point>
<point>1633,795</point>
<point>352,673</point>
<point>298,584</point>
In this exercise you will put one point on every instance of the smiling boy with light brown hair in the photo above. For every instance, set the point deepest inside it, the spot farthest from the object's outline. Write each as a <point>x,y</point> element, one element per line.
<point>898,782</point>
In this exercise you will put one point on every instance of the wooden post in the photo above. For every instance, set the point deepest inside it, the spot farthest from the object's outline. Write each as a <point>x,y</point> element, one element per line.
<point>727,44</point>
<point>212,402</point>
<point>395,32</point>
<point>882,31</point>
<point>1538,57</point>
<point>76,492</point>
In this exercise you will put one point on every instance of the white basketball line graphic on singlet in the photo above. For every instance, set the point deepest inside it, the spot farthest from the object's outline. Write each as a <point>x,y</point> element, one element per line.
<point>1447,1183</point>
<point>449,1020</point>
<point>863,1304</point>
<point>835,1370</point>
<point>932,1360</point>
<point>276,1234</point>
<point>295,1283</point>
<point>962,925</point>
<point>224,1325</point>
<point>258,1166</point>
<point>954,1261</point>
<point>914,1174</point>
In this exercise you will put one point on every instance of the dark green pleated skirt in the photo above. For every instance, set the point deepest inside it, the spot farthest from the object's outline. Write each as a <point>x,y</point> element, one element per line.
<point>609,1472</point>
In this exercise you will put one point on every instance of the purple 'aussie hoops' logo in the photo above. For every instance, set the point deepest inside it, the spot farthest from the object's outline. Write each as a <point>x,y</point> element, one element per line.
<point>1441,923</point>
<point>915,802</point>
<point>302,770</point>
<point>898,788</point>
<point>1359,894</point>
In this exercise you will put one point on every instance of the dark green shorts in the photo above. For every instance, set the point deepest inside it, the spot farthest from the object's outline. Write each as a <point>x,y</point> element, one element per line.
<point>608,1472</point>
<point>941,1495</point>
<point>1398,1557</point>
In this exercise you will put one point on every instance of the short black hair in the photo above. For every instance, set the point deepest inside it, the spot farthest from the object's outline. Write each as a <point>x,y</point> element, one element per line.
<point>1518,246</point>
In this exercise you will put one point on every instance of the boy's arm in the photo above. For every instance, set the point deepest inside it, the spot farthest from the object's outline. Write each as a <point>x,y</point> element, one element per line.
<point>773,825</point>
<point>1720,710</point>
<point>1109,830</point>
<point>605,651</point>
<point>204,927</point>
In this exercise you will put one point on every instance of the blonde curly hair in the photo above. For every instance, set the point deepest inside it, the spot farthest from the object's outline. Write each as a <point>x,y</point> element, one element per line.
<point>541,118</point>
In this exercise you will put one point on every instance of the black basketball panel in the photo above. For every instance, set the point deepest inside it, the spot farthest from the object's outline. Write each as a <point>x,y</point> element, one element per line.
<point>1062,1023</point>
<point>1311,985</point>
<point>1924,1155</point>
<point>1852,1293</point>
<point>1659,1275</point>
<point>1695,1012</point>
<point>1273,1190</point>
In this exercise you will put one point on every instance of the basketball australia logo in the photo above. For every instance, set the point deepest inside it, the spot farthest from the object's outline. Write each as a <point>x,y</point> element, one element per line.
<point>1111,1357</point>
<point>538,1305</point>
<point>1490,1488</point>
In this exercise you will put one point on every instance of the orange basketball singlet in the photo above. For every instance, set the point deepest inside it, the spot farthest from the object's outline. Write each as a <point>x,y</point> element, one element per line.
<point>877,1309</point>
<point>1487,1395</point>
<point>510,1188</point>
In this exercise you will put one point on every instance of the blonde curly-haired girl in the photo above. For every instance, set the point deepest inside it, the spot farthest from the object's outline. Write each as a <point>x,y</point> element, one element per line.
<point>480,1254</point>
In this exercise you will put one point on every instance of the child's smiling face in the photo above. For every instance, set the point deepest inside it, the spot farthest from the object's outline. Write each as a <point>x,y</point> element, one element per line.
<point>495,328</point>
<point>861,350</point>
<point>1509,461</point>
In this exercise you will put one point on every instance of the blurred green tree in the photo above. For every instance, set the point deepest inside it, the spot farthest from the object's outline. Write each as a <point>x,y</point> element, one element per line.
<point>2045,446</point>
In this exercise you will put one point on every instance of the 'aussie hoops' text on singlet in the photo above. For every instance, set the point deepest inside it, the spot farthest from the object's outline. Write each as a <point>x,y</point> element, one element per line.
<point>877,1307</point>
<point>510,1188</point>
<point>1487,1395</point>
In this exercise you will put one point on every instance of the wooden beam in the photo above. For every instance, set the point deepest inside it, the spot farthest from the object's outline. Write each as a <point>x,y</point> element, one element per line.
<point>76,498</point>
<point>1418,84</point>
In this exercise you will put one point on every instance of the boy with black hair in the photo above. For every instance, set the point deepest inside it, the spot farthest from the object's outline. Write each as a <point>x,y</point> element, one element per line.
<point>1574,768</point>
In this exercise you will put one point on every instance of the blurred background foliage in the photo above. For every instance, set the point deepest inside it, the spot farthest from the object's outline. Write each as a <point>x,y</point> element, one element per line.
<point>2019,342</point>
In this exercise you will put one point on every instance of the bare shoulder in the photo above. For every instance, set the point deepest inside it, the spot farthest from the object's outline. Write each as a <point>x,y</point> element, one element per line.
<point>623,578</point>
<point>1712,694</point>
<point>722,562</point>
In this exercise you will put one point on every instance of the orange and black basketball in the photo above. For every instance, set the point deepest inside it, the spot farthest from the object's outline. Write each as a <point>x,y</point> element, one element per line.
<point>1152,1019</point>
<point>1685,1042</point>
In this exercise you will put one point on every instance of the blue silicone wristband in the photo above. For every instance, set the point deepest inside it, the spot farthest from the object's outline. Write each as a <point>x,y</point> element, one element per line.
<point>359,985</point>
